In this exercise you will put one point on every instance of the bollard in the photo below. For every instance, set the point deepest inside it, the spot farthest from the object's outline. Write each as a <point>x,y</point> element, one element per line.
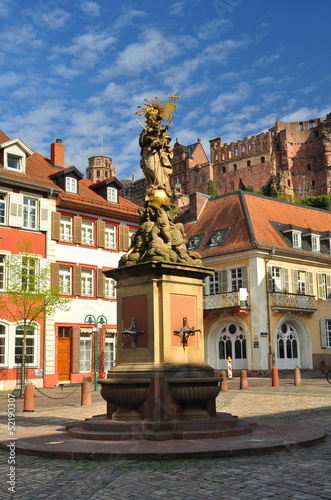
<point>297,376</point>
<point>243,380</point>
<point>86,399</point>
<point>323,368</point>
<point>28,397</point>
<point>274,377</point>
<point>224,383</point>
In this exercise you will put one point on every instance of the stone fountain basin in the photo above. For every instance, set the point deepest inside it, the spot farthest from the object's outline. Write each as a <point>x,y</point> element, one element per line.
<point>194,389</point>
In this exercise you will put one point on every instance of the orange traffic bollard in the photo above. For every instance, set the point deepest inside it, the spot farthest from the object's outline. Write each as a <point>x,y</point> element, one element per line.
<point>274,377</point>
<point>297,376</point>
<point>28,397</point>
<point>86,394</point>
<point>243,380</point>
<point>224,383</point>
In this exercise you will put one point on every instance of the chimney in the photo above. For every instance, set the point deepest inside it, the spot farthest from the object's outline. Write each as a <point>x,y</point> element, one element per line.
<point>197,203</point>
<point>57,154</point>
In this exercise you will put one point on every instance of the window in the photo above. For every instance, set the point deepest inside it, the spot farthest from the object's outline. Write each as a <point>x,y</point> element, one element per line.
<point>65,280</point>
<point>30,346</point>
<point>2,208</point>
<point>29,268</point>
<point>87,282</point>
<point>110,236</point>
<point>243,149</point>
<point>278,280</point>
<point>308,166</point>
<point>326,333</point>
<point>234,167</point>
<point>109,350</point>
<point>87,232</point>
<point>66,229</point>
<point>248,163</point>
<point>223,170</point>
<point>312,183</point>
<point>236,281</point>
<point>112,194</point>
<point>296,239</point>
<point>71,185</point>
<point>301,287</point>
<point>3,344</point>
<point>236,152</point>
<point>110,288</point>
<point>2,273</point>
<point>29,213</point>
<point>311,124</point>
<point>262,159</point>
<point>14,162</point>
<point>195,181</point>
<point>214,284</point>
<point>300,126</point>
<point>324,285</point>
<point>85,352</point>
<point>315,243</point>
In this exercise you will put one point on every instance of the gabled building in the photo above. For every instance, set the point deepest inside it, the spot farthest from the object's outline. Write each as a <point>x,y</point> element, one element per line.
<point>269,300</point>
<point>79,228</point>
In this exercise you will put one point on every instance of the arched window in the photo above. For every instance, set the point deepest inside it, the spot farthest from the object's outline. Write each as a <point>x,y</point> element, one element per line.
<point>203,178</point>
<point>262,159</point>
<point>195,181</point>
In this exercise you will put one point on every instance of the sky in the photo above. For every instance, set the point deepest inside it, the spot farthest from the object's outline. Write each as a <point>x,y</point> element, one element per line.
<point>78,69</point>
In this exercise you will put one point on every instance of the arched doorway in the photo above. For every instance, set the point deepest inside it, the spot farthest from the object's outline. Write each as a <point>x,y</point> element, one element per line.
<point>231,341</point>
<point>288,347</point>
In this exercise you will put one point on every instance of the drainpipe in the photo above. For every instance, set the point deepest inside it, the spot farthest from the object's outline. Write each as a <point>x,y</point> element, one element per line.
<point>271,360</point>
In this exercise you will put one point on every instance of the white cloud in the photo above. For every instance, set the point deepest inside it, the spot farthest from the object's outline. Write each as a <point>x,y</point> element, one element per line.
<point>177,9</point>
<point>150,52</point>
<point>64,71</point>
<point>127,17</point>
<point>212,28</point>
<point>9,79</point>
<point>226,99</point>
<point>5,8</point>
<point>264,60</point>
<point>305,113</point>
<point>91,8</point>
<point>47,18</point>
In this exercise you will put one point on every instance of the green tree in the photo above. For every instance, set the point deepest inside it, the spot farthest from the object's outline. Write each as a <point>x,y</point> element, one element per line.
<point>211,189</point>
<point>29,295</point>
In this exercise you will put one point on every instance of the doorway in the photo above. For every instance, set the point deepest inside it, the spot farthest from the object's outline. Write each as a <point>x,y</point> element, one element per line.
<point>288,347</point>
<point>231,341</point>
<point>64,352</point>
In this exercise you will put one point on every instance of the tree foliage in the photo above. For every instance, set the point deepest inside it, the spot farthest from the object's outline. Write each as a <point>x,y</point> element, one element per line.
<point>211,189</point>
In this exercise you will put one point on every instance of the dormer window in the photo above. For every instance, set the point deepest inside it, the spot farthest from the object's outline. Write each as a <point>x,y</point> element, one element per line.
<point>296,239</point>
<point>71,185</point>
<point>112,194</point>
<point>14,162</point>
<point>315,243</point>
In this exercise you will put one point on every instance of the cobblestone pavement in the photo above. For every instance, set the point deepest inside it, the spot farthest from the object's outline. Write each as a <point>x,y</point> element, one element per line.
<point>303,474</point>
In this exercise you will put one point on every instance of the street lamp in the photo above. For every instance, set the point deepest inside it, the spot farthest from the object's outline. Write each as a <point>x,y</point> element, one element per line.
<point>99,321</point>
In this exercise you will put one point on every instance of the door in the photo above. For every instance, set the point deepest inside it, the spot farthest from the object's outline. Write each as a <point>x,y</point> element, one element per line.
<point>288,347</point>
<point>63,353</point>
<point>231,342</point>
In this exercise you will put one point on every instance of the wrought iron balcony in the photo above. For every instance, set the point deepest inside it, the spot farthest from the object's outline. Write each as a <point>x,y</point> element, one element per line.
<point>225,301</point>
<point>281,301</point>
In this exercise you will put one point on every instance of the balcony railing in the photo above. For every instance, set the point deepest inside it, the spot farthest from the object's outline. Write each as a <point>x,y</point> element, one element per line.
<point>293,301</point>
<point>224,301</point>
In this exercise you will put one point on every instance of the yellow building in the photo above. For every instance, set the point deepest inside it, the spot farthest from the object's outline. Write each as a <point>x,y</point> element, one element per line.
<point>269,301</point>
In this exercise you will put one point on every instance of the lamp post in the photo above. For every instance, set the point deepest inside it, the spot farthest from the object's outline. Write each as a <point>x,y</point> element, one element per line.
<point>92,321</point>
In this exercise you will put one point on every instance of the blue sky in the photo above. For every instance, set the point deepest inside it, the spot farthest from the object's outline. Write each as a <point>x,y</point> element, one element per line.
<point>77,70</point>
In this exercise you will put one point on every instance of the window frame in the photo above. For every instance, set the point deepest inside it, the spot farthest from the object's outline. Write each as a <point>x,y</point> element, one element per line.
<point>85,361</point>
<point>65,278</point>
<point>109,341</point>
<point>110,288</point>
<point>4,344</point>
<point>87,282</point>
<point>2,273</point>
<point>110,229</point>
<point>112,194</point>
<point>71,184</point>
<point>65,235</point>
<point>34,346</point>
<point>16,157</point>
<point>30,213</point>
<point>296,239</point>
<point>88,232</point>
<point>3,209</point>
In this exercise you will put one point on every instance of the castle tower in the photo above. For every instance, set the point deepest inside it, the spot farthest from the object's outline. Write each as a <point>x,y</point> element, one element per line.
<point>100,168</point>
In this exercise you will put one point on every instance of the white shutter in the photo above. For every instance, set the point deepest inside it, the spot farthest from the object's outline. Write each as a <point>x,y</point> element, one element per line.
<point>320,286</point>
<point>223,280</point>
<point>286,285</point>
<point>244,274</point>
<point>323,332</point>
<point>328,286</point>
<point>43,215</point>
<point>206,290</point>
<point>269,279</point>
<point>310,283</point>
<point>295,281</point>
<point>16,210</point>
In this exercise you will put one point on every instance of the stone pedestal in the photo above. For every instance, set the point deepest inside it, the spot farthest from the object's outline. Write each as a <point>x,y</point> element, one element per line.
<point>158,297</point>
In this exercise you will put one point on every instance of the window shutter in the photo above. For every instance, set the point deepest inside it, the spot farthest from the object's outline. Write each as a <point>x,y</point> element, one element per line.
<point>328,286</point>
<point>310,283</point>
<point>16,210</point>
<point>323,333</point>
<point>244,273</point>
<point>286,284</point>
<point>75,350</point>
<point>100,284</point>
<point>56,221</point>
<point>320,286</point>
<point>55,274</point>
<point>295,281</point>
<point>206,289</point>
<point>223,279</point>
<point>269,278</point>
<point>77,281</point>
<point>43,217</point>
<point>78,230</point>
<point>101,233</point>
<point>123,238</point>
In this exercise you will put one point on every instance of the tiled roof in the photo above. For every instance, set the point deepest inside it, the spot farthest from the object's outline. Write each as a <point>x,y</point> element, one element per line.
<point>251,221</point>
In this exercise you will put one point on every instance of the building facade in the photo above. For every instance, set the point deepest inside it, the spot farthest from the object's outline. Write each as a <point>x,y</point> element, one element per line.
<point>79,228</point>
<point>269,300</point>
